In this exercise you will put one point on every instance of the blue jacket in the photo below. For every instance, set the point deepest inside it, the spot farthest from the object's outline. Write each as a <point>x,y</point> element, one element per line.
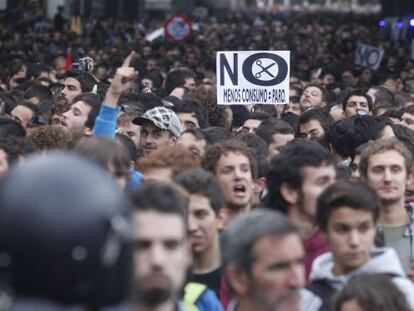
<point>105,122</point>
<point>105,126</point>
<point>208,301</point>
<point>134,180</point>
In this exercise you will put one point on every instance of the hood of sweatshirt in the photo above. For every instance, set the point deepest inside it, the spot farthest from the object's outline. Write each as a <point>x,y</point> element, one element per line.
<point>383,260</point>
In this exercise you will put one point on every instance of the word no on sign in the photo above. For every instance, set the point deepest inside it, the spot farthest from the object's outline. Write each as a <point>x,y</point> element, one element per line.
<point>368,56</point>
<point>253,77</point>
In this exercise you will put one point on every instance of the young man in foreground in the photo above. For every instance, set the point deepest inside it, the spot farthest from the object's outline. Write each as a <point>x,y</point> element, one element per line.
<point>347,214</point>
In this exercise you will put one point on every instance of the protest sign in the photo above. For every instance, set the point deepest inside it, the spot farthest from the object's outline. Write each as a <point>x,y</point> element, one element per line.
<point>368,56</point>
<point>252,77</point>
<point>155,34</point>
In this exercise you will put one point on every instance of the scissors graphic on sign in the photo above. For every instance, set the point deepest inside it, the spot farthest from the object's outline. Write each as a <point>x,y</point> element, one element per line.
<point>264,69</point>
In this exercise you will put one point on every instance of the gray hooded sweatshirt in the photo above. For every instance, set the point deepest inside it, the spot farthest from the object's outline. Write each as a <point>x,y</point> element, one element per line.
<point>383,260</point>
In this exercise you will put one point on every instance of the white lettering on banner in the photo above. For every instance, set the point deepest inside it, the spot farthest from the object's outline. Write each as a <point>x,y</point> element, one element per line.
<point>252,77</point>
<point>368,56</point>
<point>266,96</point>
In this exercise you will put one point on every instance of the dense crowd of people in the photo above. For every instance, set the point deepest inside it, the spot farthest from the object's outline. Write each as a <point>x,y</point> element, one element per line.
<point>124,186</point>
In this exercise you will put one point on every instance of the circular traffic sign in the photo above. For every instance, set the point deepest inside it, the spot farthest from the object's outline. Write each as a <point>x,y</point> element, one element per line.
<point>178,28</point>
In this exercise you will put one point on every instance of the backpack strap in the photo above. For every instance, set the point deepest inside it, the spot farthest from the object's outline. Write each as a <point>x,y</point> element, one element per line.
<point>324,291</point>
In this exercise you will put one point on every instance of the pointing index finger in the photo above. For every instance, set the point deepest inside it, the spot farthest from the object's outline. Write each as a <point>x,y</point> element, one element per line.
<point>128,60</point>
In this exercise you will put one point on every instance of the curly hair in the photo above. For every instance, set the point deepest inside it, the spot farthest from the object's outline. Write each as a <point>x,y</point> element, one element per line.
<point>50,137</point>
<point>178,158</point>
<point>60,107</point>
<point>206,97</point>
<point>215,151</point>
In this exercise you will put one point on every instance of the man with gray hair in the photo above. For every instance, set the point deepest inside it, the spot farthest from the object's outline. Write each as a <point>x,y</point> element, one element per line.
<point>263,258</point>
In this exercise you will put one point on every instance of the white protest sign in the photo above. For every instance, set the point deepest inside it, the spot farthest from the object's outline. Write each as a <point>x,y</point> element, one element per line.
<point>155,34</point>
<point>368,56</point>
<point>253,77</point>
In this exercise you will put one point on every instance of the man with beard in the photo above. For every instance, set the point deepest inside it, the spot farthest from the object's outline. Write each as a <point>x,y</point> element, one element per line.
<point>357,102</point>
<point>235,167</point>
<point>314,124</point>
<point>296,178</point>
<point>79,120</point>
<point>263,257</point>
<point>86,107</point>
<point>75,83</point>
<point>162,253</point>
<point>387,167</point>
<point>314,95</point>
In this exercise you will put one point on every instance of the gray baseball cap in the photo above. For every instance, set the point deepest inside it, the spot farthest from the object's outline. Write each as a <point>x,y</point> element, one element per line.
<point>161,117</point>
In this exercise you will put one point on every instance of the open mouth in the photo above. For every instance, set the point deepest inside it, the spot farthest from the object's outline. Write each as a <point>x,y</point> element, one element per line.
<point>239,189</point>
<point>63,122</point>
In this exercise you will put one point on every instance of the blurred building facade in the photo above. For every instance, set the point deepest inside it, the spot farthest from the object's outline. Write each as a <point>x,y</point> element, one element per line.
<point>131,8</point>
<point>139,8</point>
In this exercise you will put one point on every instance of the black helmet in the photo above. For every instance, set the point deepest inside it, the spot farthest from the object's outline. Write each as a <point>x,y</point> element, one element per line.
<point>63,229</point>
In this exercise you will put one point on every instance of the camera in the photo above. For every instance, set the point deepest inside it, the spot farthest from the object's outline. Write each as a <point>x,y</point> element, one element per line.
<point>84,64</point>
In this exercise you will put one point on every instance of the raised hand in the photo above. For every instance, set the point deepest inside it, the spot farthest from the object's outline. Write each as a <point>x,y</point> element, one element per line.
<point>122,80</point>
